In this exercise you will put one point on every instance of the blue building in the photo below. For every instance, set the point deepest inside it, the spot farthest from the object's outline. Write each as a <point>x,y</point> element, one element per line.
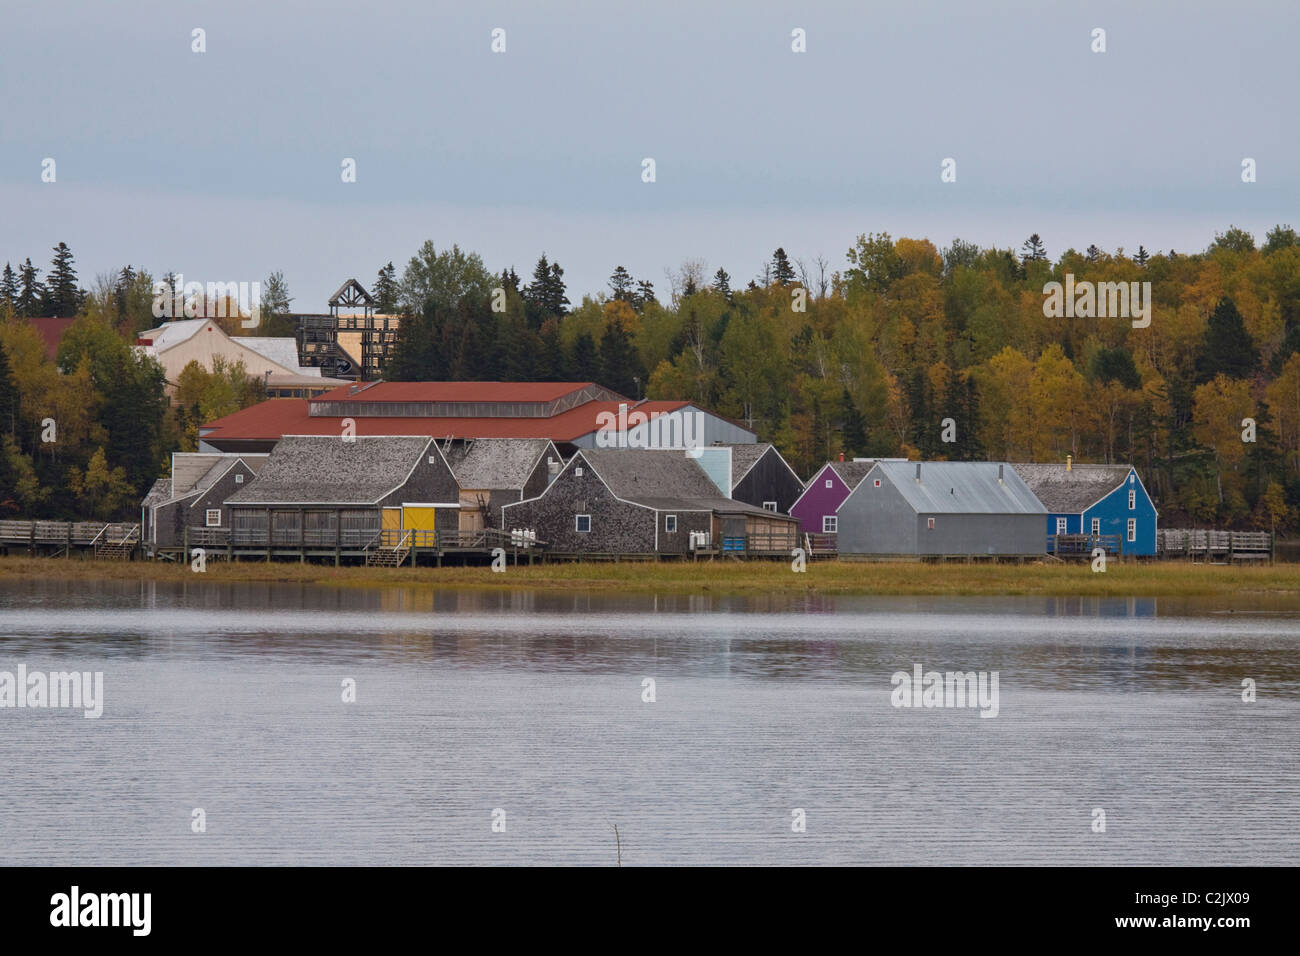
<point>1095,500</point>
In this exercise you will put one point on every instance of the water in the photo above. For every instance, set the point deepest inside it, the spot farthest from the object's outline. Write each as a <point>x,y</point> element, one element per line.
<point>228,698</point>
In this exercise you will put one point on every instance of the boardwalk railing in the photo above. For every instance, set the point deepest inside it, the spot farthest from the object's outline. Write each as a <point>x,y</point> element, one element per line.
<point>1214,545</point>
<point>1083,544</point>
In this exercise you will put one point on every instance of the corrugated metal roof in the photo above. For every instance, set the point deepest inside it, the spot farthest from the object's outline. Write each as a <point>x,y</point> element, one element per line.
<point>269,420</point>
<point>961,487</point>
<point>1073,491</point>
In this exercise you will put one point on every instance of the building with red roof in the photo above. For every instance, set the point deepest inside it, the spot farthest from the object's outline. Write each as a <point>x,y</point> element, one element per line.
<point>571,414</point>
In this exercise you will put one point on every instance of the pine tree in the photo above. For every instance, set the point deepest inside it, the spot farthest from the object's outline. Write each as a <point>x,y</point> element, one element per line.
<point>62,298</point>
<point>9,288</point>
<point>619,368</point>
<point>645,294</point>
<point>545,295</point>
<point>274,314</point>
<point>622,284</point>
<point>1092,254</point>
<point>550,353</point>
<point>557,302</point>
<point>722,283</point>
<point>1142,256</point>
<point>782,271</point>
<point>121,288</point>
<point>854,427</point>
<point>8,398</point>
<point>1227,347</point>
<point>31,291</point>
<point>1033,250</point>
<point>385,290</point>
<point>584,361</point>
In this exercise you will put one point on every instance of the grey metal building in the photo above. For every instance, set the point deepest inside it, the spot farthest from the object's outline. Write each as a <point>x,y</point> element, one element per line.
<point>941,508</point>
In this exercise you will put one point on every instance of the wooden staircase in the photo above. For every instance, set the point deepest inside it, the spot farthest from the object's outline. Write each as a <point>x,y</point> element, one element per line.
<point>118,546</point>
<point>389,556</point>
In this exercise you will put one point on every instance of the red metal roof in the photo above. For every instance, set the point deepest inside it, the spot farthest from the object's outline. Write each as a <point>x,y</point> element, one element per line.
<point>277,417</point>
<point>455,392</point>
<point>52,332</point>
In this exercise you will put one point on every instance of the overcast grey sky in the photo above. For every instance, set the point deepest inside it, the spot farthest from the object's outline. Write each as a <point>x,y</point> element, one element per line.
<point>226,164</point>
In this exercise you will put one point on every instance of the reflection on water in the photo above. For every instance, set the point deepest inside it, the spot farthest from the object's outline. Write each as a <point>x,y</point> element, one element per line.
<point>227,697</point>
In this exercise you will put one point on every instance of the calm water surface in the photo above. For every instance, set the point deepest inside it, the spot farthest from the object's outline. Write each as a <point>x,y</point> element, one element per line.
<point>228,697</point>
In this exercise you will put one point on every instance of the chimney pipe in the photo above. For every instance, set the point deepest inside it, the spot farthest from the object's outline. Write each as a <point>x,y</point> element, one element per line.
<point>918,472</point>
<point>1000,467</point>
<point>1069,462</point>
<point>841,456</point>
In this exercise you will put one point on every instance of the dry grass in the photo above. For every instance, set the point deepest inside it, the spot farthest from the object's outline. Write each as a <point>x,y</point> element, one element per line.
<point>720,577</point>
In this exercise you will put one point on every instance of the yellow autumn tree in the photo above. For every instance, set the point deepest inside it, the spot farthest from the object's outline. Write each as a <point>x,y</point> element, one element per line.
<point>1219,406</point>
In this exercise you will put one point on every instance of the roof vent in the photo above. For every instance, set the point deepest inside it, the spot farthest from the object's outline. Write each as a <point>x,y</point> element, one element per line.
<point>1000,467</point>
<point>918,472</point>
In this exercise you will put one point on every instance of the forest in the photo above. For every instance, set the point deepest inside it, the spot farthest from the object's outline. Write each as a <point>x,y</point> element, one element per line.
<point>903,349</point>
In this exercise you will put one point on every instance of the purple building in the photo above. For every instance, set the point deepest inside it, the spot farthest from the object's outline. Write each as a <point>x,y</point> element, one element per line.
<point>815,508</point>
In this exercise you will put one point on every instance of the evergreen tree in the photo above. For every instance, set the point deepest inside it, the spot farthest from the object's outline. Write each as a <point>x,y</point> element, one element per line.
<point>275,305</point>
<point>62,297</point>
<point>122,289</point>
<point>31,291</point>
<point>854,428</point>
<point>1093,254</point>
<point>623,285</point>
<point>510,280</point>
<point>557,302</point>
<point>1227,347</point>
<point>384,291</point>
<point>1142,256</point>
<point>645,294</point>
<point>722,283</point>
<point>418,354</point>
<point>545,295</point>
<point>619,367</point>
<point>782,271</point>
<point>1033,250</point>
<point>584,362</point>
<point>8,398</point>
<point>550,353</point>
<point>9,288</point>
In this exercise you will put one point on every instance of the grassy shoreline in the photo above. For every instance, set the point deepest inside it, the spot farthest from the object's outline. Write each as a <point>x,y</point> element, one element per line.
<point>718,577</point>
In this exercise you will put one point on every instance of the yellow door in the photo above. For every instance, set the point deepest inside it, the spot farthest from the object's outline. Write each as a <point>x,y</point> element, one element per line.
<point>392,522</point>
<point>418,518</point>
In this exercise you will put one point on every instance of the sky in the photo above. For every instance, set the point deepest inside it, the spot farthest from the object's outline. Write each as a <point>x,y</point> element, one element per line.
<point>226,165</point>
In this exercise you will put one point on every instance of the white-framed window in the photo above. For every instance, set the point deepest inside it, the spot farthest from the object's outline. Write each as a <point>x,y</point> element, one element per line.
<point>877,481</point>
<point>1060,525</point>
<point>830,483</point>
<point>769,506</point>
<point>929,523</point>
<point>670,523</point>
<point>582,523</point>
<point>830,524</point>
<point>1096,526</point>
<point>577,472</point>
<point>213,517</point>
<point>1132,529</point>
<point>239,479</point>
<point>1132,500</point>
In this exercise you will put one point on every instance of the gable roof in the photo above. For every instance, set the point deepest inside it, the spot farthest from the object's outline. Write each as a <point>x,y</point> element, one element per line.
<point>170,334</point>
<point>744,456</point>
<point>498,463</point>
<point>1073,491</point>
<point>635,473</point>
<point>280,349</point>
<point>319,469</point>
<point>961,487</point>
<point>852,472</point>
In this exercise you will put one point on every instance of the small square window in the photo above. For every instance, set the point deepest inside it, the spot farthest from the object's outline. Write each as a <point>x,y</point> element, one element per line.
<point>239,479</point>
<point>670,523</point>
<point>830,524</point>
<point>214,517</point>
<point>929,523</point>
<point>769,506</point>
<point>577,472</point>
<point>582,523</point>
<point>877,483</point>
<point>830,483</point>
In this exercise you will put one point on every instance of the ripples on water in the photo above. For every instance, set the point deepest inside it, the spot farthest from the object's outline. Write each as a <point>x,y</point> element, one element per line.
<point>531,702</point>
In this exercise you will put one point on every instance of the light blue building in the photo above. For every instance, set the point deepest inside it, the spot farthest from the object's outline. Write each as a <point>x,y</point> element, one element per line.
<point>1095,500</point>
